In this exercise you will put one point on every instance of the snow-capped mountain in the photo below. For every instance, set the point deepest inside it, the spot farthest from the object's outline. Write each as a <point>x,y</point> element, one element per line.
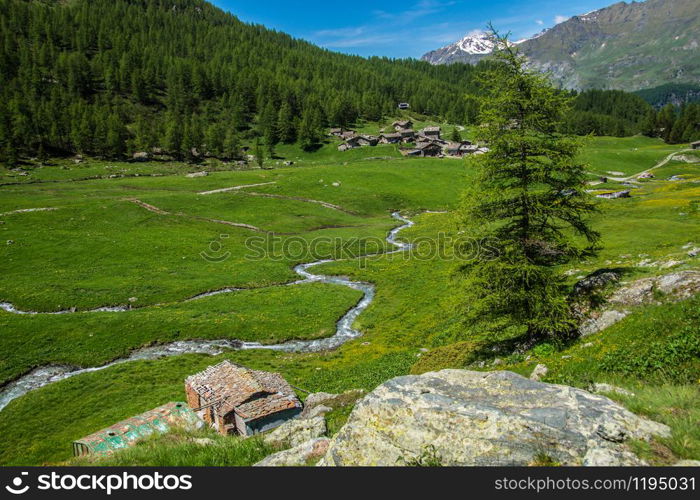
<point>470,49</point>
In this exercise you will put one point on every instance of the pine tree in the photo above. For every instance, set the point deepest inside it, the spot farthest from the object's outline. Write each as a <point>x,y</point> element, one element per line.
<point>285,124</point>
<point>456,136</point>
<point>173,136</point>
<point>258,153</point>
<point>524,206</point>
<point>232,147</point>
<point>310,129</point>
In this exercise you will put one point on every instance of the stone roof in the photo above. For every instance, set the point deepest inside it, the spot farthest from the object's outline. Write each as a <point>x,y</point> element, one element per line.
<point>251,393</point>
<point>431,129</point>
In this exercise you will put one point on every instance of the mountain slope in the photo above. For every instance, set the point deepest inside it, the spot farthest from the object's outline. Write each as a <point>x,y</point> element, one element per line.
<point>625,46</point>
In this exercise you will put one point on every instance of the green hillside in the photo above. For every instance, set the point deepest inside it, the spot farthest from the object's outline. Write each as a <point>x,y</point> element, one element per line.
<point>109,77</point>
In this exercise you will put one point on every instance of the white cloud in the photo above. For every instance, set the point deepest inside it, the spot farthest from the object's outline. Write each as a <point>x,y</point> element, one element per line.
<point>560,19</point>
<point>540,22</point>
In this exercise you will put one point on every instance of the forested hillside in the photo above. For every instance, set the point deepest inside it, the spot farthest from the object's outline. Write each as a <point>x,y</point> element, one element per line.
<point>114,76</point>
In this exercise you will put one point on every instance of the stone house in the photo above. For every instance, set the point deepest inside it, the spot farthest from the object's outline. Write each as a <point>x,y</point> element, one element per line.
<point>432,132</point>
<point>404,105</point>
<point>695,145</point>
<point>367,140</point>
<point>348,134</point>
<point>336,132</point>
<point>424,150</point>
<point>402,125</point>
<point>237,400</point>
<point>390,138</point>
<point>408,135</point>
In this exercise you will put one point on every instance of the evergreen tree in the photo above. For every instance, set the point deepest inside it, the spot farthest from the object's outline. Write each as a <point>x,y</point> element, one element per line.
<point>456,136</point>
<point>310,133</point>
<point>173,137</point>
<point>232,147</point>
<point>286,125</point>
<point>527,201</point>
<point>258,153</point>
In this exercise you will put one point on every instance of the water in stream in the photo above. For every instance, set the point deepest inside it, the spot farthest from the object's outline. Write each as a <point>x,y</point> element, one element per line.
<point>46,375</point>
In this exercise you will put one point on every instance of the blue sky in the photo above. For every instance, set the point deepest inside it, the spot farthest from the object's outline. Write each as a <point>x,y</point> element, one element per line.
<point>406,28</point>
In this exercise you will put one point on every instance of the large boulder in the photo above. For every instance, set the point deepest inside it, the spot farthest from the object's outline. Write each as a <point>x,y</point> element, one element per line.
<point>298,456</point>
<point>486,419</point>
<point>297,431</point>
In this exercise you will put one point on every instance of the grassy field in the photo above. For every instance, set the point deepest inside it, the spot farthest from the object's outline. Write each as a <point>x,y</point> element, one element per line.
<point>612,156</point>
<point>99,249</point>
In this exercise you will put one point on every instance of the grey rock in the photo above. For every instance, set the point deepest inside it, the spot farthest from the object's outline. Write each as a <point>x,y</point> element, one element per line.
<point>687,463</point>
<point>679,285</point>
<point>539,372</point>
<point>615,196</point>
<point>607,388</point>
<point>194,175</point>
<point>486,419</point>
<point>297,431</point>
<point>316,411</point>
<point>595,281</point>
<point>330,400</point>
<point>203,441</point>
<point>298,456</point>
<point>318,398</point>
<point>601,322</point>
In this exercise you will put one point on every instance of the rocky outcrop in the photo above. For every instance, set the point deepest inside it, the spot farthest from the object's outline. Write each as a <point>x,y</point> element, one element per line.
<point>296,432</point>
<point>595,281</point>
<point>675,286</point>
<point>599,321</point>
<point>680,285</point>
<point>476,418</point>
<point>329,402</point>
<point>299,456</point>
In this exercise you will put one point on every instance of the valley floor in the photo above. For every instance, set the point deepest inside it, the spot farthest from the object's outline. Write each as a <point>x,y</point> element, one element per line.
<point>144,239</point>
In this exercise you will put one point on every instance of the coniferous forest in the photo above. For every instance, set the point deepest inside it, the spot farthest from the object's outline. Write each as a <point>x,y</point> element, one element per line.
<point>106,77</point>
<point>112,77</point>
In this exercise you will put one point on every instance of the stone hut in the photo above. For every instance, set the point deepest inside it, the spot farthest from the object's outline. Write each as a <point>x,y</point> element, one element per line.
<point>432,132</point>
<point>237,400</point>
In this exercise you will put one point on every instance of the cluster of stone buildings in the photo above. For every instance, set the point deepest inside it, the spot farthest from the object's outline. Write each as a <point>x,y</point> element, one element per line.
<point>424,143</point>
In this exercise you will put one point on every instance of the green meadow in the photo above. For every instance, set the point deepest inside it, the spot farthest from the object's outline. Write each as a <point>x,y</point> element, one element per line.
<point>99,248</point>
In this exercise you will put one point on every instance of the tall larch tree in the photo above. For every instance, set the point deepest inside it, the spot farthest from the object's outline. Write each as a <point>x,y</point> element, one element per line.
<point>527,206</point>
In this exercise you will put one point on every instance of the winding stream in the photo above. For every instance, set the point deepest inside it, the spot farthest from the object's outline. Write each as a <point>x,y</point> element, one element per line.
<point>46,375</point>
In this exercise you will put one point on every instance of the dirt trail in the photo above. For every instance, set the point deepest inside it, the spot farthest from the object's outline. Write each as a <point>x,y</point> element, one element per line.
<point>28,210</point>
<point>235,188</point>
<point>633,178</point>
<point>159,211</point>
<point>306,200</point>
<point>148,207</point>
